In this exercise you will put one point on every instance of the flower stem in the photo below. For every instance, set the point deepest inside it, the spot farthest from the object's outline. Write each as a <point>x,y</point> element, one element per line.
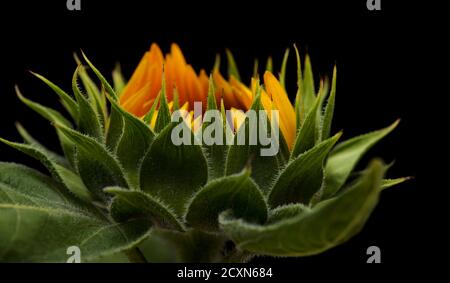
<point>135,255</point>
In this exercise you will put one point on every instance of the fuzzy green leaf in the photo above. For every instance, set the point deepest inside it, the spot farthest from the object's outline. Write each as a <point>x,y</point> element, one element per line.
<point>345,156</point>
<point>327,225</point>
<point>129,204</point>
<point>173,173</point>
<point>54,117</point>
<point>236,192</point>
<point>302,177</point>
<point>97,167</point>
<point>65,176</point>
<point>31,141</point>
<point>38,222</point>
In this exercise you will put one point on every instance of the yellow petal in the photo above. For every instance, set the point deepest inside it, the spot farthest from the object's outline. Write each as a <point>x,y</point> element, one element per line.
<point>282,103</point>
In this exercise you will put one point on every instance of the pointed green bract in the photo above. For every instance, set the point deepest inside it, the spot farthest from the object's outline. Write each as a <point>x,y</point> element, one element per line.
<point>68,102</point>
<point>232,66</point>
<point>302,177</point>
<point>148,117</point>
<point>114,130</point>
<point>243,153</point>
<point>95,96</point>
<point>388,183</point>
<point>46,112</point>
<point>329,110</point>
<point>173,173</point>
<point>307,134</point>
<point>102,79</point>
<point>88,122</point>
<point>283,69</point>
<point>345,156</point>
<point>327,225</point>
<point>309,93</point>
<point>163,118</point>
<point>299,116</point>
<point>118,80</point>
<point>215,153</point>
<point>133,144</point>
<point>236,192</point>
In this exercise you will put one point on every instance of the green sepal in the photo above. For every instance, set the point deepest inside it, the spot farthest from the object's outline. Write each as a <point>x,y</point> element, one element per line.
<point>89,122</point>
<point>302,177</point>
<point>148,117</point>
<point>215,153</point>
<point>133,143</point>
<point>307,134</point>
<point>96,97</point>
<point>109,89</point>
<point>264,168</point>
<point>118,80</point>
<point>232,66</point>
<point>173,173</point>
<point>329,109</point>
<point>163,118</point>
<point>283,69</point>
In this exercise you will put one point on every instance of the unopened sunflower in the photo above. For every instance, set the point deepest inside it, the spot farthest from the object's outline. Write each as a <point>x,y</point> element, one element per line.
<point>170,166</point>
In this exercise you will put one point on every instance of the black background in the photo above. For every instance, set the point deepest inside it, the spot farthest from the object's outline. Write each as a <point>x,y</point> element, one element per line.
<point>375,51</point>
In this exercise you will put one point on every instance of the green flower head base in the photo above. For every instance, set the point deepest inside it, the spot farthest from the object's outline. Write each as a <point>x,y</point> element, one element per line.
<point>123,191</point>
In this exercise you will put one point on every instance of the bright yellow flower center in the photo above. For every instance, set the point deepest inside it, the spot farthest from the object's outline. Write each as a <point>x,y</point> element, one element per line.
<point>146,81</point>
